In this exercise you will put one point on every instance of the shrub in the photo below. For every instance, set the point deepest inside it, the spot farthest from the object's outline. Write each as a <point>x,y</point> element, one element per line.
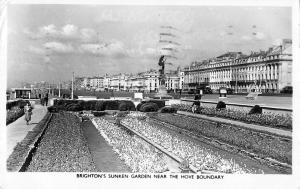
<point>89,105</point>
<point>99,106</point>
<point>23,103</point>
<point>59,102</point>
<point>149,107</point>
<point>138,107</point>
<point>9,105</point>
<point>98,113</point>
<point>74,107</point>
<point>111,105</point>
<point>159,103</point>
<point>221,105</point>
<point>256,110</point>
<point>168,110</point>
<point>126,106</point>
<point>52,109</point>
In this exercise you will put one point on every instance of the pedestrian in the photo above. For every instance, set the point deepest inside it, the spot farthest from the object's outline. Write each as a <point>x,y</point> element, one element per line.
<point>28,113</point>
<point>46,99</point>
<point>196,104</point>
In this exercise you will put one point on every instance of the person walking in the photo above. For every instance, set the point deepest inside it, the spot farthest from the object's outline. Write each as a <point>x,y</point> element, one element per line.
<point>46,99</point>
<point>28,113</point>
<point>196,104</point>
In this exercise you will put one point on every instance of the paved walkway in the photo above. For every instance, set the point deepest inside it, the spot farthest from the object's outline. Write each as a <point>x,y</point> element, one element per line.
<point>273,101</point>
<point>270,130</point>
<point>16,131</point>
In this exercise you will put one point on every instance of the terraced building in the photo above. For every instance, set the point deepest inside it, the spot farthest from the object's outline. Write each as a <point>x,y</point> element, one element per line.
<point>265,71</point>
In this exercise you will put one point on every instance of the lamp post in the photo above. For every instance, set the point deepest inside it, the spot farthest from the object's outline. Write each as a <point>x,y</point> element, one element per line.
<point>72,91</point>
<point>59,89</point>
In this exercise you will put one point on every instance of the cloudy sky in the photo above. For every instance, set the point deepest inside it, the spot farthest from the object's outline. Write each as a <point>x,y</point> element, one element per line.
<point>49,42</point>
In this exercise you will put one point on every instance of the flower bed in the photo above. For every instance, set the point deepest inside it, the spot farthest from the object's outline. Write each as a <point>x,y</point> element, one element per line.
<point>265,119</point>
<point>198,156</point>
<point>246,139</point>
<point>63,148</point>
<point>137,154</point>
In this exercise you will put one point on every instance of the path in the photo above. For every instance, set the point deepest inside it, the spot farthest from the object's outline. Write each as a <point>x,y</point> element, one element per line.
<point>273,101</point>
<point>16,131</point>
<point>104,157</point>
<point>270,130</point>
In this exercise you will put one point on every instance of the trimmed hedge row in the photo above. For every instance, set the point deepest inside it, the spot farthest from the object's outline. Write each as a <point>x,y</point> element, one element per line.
<point>94,105</point>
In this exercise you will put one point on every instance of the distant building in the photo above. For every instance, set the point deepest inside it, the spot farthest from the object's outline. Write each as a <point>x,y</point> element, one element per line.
<point>151,80</point>
<point>265,71</point>
<point>135,83</point>
<point>96,82</point>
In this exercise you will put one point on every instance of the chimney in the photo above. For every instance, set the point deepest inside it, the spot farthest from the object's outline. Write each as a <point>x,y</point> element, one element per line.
<point>286,42</point>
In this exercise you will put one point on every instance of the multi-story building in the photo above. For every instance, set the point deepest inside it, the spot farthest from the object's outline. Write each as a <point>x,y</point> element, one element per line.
<point>264,71</point>
<point>151,80</point>
<point>96,82</point>
<point>118,82</point>
<point>135,83</point>
<point>106,82</point>
<point>78,83</point>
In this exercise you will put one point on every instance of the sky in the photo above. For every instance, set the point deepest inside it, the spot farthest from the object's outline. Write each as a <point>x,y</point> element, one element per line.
<point>49,42</point>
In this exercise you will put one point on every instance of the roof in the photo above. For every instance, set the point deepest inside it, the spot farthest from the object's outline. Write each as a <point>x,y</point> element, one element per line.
<point>230,54</point>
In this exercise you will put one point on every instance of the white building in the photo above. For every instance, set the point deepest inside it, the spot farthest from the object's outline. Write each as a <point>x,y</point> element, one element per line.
<point>265,71</point>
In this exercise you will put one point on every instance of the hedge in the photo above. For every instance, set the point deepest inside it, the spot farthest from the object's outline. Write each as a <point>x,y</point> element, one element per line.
<point>93,105</point>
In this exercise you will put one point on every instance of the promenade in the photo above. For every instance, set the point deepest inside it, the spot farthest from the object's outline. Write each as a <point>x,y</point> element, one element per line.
<point>273,101</point>
<point>16,131</point>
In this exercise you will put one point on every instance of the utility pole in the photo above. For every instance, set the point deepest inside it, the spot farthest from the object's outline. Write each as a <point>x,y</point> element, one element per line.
<point>59,89</point>
<point>72,92</point>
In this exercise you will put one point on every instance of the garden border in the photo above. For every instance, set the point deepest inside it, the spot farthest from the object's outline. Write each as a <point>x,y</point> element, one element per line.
<point>22,161</point>
<point>227,147</point>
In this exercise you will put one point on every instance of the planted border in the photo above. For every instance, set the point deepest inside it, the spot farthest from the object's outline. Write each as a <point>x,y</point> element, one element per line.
<point>264,119</point>
<point>21,151</point>
<point>267,146</point>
